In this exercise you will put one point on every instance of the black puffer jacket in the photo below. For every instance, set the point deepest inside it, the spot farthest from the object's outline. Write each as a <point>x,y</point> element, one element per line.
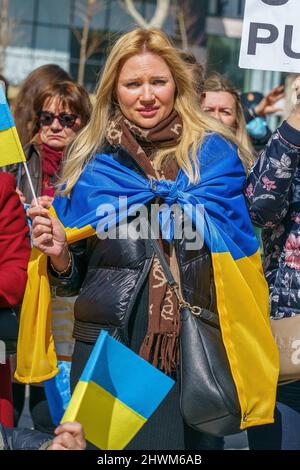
<point>111,279</point>
<point>23,439</point>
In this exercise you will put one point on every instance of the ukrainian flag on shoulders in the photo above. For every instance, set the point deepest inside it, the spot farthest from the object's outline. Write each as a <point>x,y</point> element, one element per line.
<point>117,393</point>
<point>11,150</point>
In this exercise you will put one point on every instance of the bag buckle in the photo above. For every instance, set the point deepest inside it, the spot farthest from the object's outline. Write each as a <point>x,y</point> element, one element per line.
<point>196,311</point>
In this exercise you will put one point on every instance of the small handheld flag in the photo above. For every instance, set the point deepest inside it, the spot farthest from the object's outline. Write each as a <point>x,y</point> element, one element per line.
<point>11,150</point>
<point>117,393</point>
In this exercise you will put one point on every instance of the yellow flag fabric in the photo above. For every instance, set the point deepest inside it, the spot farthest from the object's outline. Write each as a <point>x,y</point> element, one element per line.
<point>10,147</point>
<point>246,335</point>
<point>117,393</point>
<point>36,356</point>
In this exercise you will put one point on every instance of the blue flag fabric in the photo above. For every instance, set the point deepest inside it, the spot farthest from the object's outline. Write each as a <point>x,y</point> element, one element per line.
<point>221,197</point>
<point>117,393</point>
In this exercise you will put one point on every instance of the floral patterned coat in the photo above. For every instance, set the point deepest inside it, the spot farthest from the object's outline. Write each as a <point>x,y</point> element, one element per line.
<point>273,194</point>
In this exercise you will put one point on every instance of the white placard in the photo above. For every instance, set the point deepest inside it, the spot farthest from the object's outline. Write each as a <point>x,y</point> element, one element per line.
<point>271,35</point>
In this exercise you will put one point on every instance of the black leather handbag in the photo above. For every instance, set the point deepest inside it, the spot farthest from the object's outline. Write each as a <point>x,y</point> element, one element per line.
<point>208,396</point>
<point>9,328</point>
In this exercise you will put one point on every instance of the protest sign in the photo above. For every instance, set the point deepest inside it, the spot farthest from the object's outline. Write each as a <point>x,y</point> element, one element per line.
<point>271,35</point>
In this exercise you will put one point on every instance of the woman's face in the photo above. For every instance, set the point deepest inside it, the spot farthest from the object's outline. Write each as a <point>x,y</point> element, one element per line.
<point>56,134</point>
<point>145,89</point>
<point>221,105</point>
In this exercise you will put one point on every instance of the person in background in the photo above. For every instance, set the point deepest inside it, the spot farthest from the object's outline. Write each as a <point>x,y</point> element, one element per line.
<point>196,69</point>
<point>61,110</point>
<point>272,191</point>
<point>33,85</point>
<point>14,256</point>
<point>221,100</point>
<point>69,436</point>
<point>256,108</point>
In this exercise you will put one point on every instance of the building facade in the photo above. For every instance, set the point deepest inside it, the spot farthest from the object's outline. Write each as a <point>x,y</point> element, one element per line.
<point>223,30</point>
<point>44,31</point>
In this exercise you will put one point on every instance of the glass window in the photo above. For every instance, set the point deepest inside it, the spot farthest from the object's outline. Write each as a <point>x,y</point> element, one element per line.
<point>52,38</point>
<point>20,10</point>
<point>223,57</point>
<point>94,62</point>
<point>119,20</point>
<point>213,7</point>
<point>79,9</point>
<point>231,8</point>
<point>21,36</point>
<point>149,10</point>
<point>54,11</point>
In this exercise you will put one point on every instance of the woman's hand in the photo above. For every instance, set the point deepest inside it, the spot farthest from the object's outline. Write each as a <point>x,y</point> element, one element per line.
<point>296,93</point>
<point>294,118</point>
<point>268,104</point>
<point>43,201</point>
<point>49,236</point>
<point>69,436</point>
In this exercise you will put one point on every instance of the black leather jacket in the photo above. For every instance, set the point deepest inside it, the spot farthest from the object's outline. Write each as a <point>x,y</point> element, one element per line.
<point>110,277</point>
<point>23,439</point>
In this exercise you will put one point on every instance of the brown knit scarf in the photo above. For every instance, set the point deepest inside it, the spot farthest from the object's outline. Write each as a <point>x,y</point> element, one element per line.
<point>161,343</point>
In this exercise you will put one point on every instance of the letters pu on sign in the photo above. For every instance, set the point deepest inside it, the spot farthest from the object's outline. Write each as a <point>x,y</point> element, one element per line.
<point>271,35</point>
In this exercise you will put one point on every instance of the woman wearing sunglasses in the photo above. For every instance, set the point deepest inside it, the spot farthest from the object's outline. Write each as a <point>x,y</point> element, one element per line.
<point>61,110</point>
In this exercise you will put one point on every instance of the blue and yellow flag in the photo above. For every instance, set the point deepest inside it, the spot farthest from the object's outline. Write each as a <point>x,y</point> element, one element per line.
<point>242,291</point>
<point>117,393</point>
<point>11,150</point>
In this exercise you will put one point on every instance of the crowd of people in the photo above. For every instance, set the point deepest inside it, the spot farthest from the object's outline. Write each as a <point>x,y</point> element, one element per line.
<point>155,115</point>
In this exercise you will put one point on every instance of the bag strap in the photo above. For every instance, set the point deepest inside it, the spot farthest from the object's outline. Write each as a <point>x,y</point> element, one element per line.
<point>168,273</point>
<point>170,278</point>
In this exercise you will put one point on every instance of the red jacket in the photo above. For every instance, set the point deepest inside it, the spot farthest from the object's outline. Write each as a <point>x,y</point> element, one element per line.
<point>14,244</point>
<point>14,256</point>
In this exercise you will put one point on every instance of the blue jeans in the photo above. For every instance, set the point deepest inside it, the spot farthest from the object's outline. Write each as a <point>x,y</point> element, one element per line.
<point>284,434</point>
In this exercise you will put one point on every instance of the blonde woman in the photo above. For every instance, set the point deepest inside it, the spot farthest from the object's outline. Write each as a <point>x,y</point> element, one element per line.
<point>148,140</point>
<point>221,100</point>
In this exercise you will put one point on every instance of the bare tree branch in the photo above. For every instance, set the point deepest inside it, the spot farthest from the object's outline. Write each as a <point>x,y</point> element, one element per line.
<point>76,33</point>
<point>158,19</point>
<point>190,16</point>
<point>140,20</point>
<point>94,46</point>
<point>7,27</point>
<point>86,13</point>
<point>182,29</point>
<point>161,13</point>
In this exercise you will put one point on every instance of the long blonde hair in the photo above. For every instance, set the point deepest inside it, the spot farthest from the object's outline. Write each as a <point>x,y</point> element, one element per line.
<point>195,122</point>
<point>215,83</point>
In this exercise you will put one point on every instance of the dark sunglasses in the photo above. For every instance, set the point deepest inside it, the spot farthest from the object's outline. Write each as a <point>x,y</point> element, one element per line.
<point>65,119</point>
